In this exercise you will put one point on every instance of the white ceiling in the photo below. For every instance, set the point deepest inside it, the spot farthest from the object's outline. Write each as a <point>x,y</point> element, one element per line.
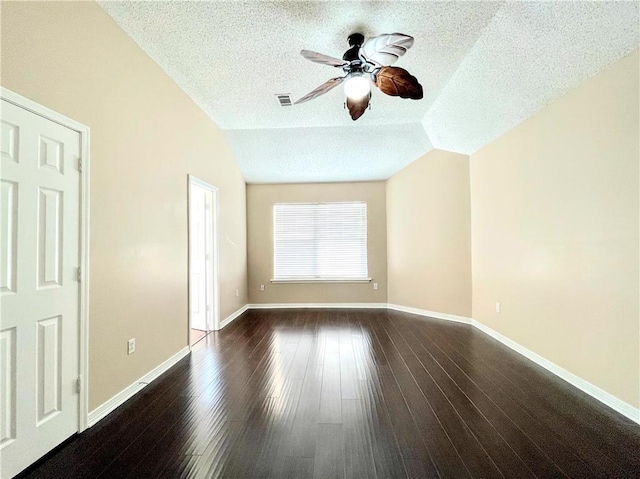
<point>325,154</point>
<point>484,66</point>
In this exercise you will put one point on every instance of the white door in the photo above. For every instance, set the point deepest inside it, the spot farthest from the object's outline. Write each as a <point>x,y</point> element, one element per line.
<point>39,348</point>
<point>200,257</point>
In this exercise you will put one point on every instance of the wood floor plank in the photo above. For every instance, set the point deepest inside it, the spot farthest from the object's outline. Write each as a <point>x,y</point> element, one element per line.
<point>329,457</point>
<point>416,456</point>
<point>386,450</point>
<point>358,451</point>
<point>271,460</point>
<point>301,359</point>
<point>341,393</point>
<point>297,468</point>
<point>302,440</point>
<point>348,373</point>
<point>330,395</point>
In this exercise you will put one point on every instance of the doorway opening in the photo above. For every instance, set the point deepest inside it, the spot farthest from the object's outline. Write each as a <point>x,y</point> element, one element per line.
<point>204,303</point>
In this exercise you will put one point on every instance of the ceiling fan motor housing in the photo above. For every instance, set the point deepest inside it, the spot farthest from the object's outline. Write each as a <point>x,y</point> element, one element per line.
<point>355,42</point>
<point>355,39</point>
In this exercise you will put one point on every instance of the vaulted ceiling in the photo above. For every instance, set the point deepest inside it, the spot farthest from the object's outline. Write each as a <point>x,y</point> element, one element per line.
<point>484,66</point>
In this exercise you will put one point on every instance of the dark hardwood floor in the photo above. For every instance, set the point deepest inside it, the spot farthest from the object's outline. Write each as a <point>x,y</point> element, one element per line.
<point>353,394</point>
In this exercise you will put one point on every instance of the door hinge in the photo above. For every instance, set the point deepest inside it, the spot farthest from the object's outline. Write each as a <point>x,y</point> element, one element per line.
<point>79,275</point>
<point>79,384</point>
<point>80,165</point>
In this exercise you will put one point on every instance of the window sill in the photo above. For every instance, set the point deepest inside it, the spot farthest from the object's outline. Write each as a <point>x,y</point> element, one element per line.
<point>320,280</point>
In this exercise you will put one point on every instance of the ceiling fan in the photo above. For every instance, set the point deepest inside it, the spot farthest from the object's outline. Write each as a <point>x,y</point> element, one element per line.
<point>365,63</point>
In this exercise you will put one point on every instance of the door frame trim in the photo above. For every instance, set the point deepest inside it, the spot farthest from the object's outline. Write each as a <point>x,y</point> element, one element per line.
<point>83,334</point>
<point>215,216</point>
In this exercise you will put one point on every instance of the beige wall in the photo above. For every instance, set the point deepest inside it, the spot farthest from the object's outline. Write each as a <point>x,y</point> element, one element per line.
<point>428,234</point>
<point>146,136</point>
<point>260,200</point>
<point>555,232</point>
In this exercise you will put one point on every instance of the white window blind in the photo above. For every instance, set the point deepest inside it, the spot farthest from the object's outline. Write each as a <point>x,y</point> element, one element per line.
<point>320,241</point>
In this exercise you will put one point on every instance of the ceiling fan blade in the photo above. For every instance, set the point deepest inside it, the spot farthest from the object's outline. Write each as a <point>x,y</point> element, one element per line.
<point>384,50</point>
<point>358,107</point>
<point>324,59</point>
<point>321,90</point>
<point>395,81</point>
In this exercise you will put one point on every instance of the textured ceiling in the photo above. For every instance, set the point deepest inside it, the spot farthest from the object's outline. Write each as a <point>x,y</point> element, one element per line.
<point>529,54</point>
<point>317,154</point>
<point>484,66</point>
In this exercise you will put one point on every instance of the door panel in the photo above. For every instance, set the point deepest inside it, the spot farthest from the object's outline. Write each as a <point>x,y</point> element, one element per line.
<point>49,357</point>
<point>50,241</point>
<point>8,389</point>
<point>39,328</point>
<point>9,225</point>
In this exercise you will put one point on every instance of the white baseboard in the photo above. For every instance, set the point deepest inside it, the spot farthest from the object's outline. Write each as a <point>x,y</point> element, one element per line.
<point>317,305</point>
<point>604,397</point>
<point>109,406</point>
<point>431,314</point>
<point>232,316</point>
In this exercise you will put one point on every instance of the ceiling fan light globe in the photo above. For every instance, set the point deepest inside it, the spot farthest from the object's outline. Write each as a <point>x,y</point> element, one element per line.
<point>357,87</point>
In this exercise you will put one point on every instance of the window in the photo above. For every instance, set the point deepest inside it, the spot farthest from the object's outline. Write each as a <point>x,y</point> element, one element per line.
<point>320,241</point>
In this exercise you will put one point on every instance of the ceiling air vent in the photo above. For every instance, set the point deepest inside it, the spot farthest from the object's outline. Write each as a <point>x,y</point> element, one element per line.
<point>284,99</point>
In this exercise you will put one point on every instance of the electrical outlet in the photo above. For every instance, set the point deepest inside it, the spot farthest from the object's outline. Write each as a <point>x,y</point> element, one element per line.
<point>375,285</point>
<point>131,346</point>
<point>262,287</point>
<point>237,292</point>
<point>498,308</point>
